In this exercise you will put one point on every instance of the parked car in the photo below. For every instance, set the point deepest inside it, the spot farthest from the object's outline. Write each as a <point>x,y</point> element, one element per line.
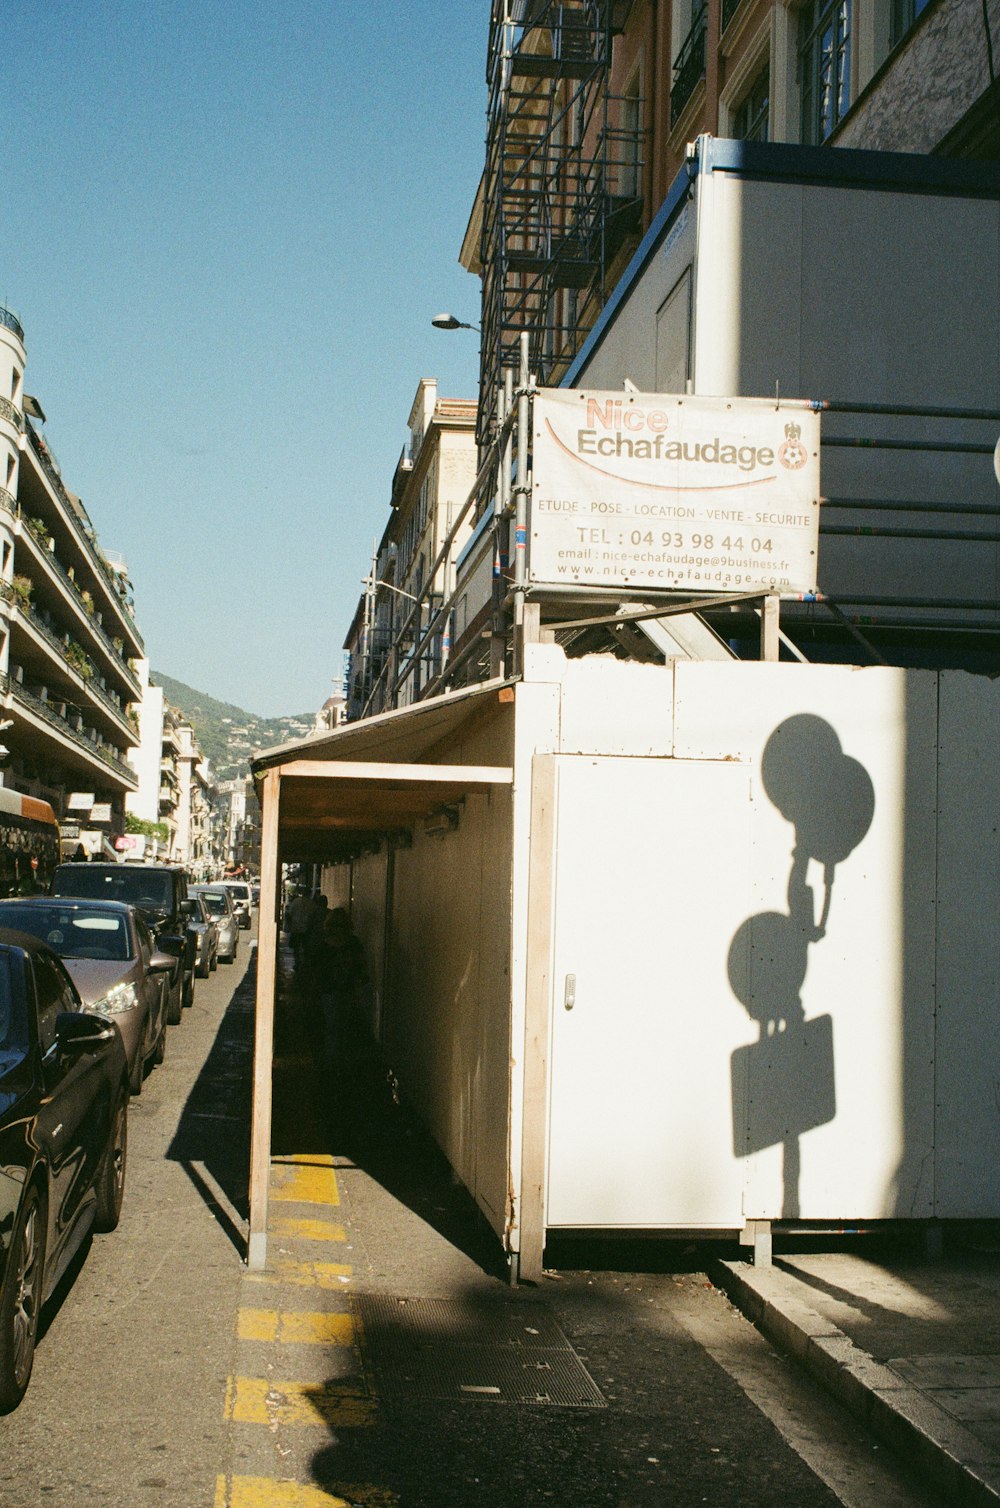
<point>112,959</point>
<point>205,928</point>
<point>220,904</point>
<point>242,900</point>
<point>63,1140</point>
<point>159,892</point>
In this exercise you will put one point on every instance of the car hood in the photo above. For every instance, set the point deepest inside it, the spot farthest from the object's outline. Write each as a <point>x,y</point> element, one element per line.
<point>94,977</point>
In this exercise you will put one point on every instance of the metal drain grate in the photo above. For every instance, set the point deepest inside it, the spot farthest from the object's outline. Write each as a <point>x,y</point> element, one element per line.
<point>466,1350</point>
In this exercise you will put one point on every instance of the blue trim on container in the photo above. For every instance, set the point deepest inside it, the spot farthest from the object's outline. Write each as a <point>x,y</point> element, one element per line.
<point>906,172</point>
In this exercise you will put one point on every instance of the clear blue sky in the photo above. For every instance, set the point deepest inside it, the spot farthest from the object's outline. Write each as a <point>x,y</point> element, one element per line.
<point>227,226</point>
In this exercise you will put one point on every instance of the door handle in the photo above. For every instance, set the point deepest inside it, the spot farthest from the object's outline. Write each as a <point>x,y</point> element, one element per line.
<point>569,994</point>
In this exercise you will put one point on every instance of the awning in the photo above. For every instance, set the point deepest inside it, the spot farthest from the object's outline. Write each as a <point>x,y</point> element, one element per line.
<point>325,797</point>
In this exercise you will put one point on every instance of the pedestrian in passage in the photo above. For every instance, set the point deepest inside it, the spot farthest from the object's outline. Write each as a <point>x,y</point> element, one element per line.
<point>297,919</point>
<point>340,978</point>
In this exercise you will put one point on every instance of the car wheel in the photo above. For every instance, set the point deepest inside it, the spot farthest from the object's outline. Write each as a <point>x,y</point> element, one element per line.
<point>160,1050</point>
<point>187,992</point>
<point>174,1003</point>
<point>203,970</point>
<point>21,1302</point>
<point>110,1186</point>
<point>215,961</point>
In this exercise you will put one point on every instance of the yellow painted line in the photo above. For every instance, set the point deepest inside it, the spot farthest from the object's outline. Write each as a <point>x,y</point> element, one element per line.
<point>255,1400</point>
<point>305,1230</point>
<point>329,1275</point>
<point>297,1327</point>
<point>306,1184</point>
<point>303,1159</point>
<point>269,1492</point>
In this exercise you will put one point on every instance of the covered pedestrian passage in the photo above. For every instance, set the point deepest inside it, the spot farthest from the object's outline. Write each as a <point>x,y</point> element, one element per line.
<point>369,802</point>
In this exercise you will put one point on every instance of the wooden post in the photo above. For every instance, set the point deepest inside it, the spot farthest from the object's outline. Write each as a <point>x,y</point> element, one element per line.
<point>263,1045</point>
<point>534,1122</point>
<point>770,645</point>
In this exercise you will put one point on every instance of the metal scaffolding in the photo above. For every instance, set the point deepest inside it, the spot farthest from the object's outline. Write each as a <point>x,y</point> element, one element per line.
<point>562,187</point>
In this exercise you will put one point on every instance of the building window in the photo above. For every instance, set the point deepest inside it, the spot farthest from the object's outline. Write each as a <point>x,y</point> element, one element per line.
<point>904,13</point>
<point>750,118</point>
<point>824,67</point>
<point>689,62</point>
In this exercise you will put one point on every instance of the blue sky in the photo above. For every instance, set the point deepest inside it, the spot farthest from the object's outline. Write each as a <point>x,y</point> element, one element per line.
<point>228,225</point>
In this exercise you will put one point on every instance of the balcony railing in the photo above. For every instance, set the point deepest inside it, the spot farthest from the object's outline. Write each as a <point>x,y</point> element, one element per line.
<point>689,67</point>
<point>101,566</point>
<point>8,501</point>
<point>56,565</point>
<point>11,414</point>
<point>10,321</point>
<point>8,685</point>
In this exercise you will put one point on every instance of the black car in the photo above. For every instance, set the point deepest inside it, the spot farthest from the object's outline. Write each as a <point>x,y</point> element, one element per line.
<point>159,892</point>
<point>63,1140</point>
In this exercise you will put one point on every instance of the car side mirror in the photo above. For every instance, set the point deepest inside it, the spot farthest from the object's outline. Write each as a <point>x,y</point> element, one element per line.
<point>187,907</point>
<point>161,963</point>
<point>77,1031</point>
<point>174,946</point>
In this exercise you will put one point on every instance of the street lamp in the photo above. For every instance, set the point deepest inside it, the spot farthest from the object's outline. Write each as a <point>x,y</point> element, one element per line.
<point>450,322</point>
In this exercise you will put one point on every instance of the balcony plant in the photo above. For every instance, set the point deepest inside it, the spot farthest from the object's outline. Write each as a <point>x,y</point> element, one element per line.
<point>21,588</point>
<point>88,603</point>
<point>79,661</point>
<point>40,532</point>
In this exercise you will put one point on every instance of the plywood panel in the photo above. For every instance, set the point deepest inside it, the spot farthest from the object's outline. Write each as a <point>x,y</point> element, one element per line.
<point>968,961</point>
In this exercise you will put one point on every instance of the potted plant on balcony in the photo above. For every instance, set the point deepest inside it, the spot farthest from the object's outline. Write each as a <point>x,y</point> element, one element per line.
<point>88,603</point>
<point>21,589</point>
<point>79,661</point>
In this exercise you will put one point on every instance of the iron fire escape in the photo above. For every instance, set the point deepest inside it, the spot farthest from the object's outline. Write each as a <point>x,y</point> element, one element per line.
<point>562,184</point>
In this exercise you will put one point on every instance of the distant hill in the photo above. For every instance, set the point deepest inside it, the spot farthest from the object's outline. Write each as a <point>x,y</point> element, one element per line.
<point>227,735</point>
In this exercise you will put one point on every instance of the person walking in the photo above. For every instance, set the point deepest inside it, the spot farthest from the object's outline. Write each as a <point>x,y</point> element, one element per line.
<point>297,918</point>
<point>340,975</point>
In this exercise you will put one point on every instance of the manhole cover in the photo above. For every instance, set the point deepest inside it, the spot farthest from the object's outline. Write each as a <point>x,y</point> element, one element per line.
<point>431,1348</point>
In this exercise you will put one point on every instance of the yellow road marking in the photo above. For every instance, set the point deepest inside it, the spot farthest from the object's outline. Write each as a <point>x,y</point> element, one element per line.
<point>328,1275</point>
<point>310,1183</point>
<point>303,1159</point>
<point>255,1400</point>
<point>296,1327</point>
<point>268,1492</point>
<point>287,1229</point>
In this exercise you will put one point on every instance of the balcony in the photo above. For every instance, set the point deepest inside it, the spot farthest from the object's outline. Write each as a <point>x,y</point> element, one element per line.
<point>689,67</point>
<point>83,536</point>
<point>10,321</point>
<point>75,660</point>
<point>61,577</point>
<point>44,709</point>
<point>12,415</point>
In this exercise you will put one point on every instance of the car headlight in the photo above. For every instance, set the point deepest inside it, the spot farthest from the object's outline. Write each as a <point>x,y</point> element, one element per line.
<point>121,997</point>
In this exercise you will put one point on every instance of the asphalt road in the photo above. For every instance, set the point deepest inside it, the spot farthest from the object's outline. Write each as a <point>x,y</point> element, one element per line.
<point>162,1376</point>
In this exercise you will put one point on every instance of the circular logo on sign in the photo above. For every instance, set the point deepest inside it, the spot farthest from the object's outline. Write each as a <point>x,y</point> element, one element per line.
<point>792,454</point>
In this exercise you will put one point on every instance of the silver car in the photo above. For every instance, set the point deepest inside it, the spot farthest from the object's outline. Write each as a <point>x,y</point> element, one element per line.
<point>220,906</point>
<point>242,899</point>
<point>206,930</point>
<point>111,956</point>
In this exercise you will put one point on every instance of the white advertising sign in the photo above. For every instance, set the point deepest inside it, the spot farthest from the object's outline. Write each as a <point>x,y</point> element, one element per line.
<point>675,492</point>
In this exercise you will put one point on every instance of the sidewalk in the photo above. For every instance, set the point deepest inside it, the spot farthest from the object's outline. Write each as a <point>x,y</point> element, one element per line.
<point>912,1347</point>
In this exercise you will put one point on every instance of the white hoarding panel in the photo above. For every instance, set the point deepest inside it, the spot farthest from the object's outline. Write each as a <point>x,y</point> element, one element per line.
<point>675,492</point>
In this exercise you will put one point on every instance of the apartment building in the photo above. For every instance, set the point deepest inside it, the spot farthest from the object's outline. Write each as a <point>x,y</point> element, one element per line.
<point>69,644</point>
<point>593,105</point>
<point>400,635</point>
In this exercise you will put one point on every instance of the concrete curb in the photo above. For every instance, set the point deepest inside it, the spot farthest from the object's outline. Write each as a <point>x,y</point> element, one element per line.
<point>955,1460</point>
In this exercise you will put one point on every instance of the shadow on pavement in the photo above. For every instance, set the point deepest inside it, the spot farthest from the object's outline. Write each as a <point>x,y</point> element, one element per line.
<point>212,1140</point>
<point>347,1110</point>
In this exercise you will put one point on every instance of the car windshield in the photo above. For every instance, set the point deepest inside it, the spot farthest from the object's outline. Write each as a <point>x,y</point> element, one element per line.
<point>72,931</point>
<point>215,902</point>
<point>13,1022</point>
<point>150,890</point>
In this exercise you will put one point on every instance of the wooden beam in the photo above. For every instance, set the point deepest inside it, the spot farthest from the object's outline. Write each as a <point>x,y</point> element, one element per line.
<point>263,1045</point>
<point>538,993</point>
<point>468,776</point>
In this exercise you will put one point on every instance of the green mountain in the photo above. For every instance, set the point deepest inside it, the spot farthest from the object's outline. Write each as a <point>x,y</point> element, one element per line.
<point>227,735</point>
